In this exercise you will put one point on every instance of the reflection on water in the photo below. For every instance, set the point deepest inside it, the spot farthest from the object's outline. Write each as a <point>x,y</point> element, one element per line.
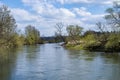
<point>53,62</point>
<point>7,63</point>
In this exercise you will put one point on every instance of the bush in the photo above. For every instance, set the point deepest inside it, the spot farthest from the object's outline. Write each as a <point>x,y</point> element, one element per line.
<point>113,43</point>
<point>91,43</point>
<point>17,40</point>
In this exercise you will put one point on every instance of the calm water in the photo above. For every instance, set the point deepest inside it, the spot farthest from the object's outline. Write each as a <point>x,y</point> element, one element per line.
<point>53,62</point>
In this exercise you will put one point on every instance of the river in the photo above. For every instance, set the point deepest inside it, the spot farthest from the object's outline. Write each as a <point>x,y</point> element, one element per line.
<point>53,62</point>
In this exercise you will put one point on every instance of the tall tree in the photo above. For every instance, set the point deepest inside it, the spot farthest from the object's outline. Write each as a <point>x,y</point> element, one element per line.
<point>7,26</point>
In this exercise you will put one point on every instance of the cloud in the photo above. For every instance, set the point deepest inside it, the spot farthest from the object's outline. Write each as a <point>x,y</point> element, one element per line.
<point>23,15</point>
<point>107,2</point>
<point>42,23</point>
<point>81,11</point>
<point>74,1</point>
<point>44,15</point>
<point>85,1</point>
<point>48,10</point>
<point>86,16</point>
<point>93,18</point>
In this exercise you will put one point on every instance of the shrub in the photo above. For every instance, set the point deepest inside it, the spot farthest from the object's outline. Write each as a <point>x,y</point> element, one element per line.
<point>113,43</point>
<point>90,42</point>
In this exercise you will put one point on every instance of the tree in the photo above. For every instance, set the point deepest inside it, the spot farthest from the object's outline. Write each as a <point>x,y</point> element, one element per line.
<point>103,33</point>
<point>113,16</point>
<point>113,19</point>
<point>59,31</point>
<point>74,32</point>
<point>32,35</point>
<point>7,27</point>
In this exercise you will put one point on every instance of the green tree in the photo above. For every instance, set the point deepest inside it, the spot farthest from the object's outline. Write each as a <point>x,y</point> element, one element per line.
<point>32,35</point>
<point>74,32</point>
<point>7,27</point>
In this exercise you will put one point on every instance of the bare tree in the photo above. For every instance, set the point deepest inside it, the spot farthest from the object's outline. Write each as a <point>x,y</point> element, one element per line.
<point>103,32</point>
<point>113,16</point>
<point>59,31</point>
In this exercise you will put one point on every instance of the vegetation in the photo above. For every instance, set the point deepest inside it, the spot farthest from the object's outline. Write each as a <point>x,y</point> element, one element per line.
<point>74,32</point>
<point>32,35</point>
<point>8,31</point>
<point>59,37</point>
<point>8,35</point>
<point>104,40</point>
<point>113,43</point>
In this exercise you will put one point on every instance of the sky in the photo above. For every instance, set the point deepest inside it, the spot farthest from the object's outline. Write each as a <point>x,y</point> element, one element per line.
<point>44,14</point>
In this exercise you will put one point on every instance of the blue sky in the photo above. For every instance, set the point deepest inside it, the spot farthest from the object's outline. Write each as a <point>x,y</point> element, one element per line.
<point>44,14</point>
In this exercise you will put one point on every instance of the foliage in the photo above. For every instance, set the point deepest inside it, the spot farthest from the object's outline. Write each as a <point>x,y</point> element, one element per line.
<point>17,40</point>
<point>8,26</point>
<point>74,32</point>
<point>74,47</point>
<point>32,35</point>
<point>90,42</point>
<point>113,43</point>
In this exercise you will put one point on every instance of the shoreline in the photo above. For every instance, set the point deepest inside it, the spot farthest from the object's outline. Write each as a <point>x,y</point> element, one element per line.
<point>80,47</point>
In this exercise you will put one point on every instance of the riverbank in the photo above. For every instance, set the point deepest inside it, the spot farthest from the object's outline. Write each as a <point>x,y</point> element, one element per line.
<point>93,46</point>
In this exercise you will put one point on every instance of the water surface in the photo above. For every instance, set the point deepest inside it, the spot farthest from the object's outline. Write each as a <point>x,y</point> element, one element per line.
<point>53,62</point>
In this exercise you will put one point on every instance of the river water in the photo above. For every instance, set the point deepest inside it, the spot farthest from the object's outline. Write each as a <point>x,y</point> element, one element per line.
<point>53,62</point>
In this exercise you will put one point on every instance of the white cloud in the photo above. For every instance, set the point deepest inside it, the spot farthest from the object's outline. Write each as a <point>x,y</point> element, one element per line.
<point>66,13</point>
<point>86,16</point>
<point>93,18</point>
<point>74,1</point>
<point>48,10</point>
<point>81,11</point>
<point>23,15</point>
<point>45,25</point>
<point>46,15</point>
<point>108,2</point>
